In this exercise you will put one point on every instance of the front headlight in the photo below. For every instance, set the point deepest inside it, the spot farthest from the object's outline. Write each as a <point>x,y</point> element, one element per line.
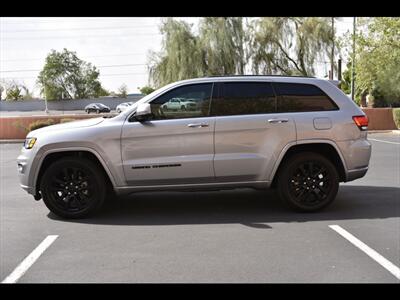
<point>29,143</point>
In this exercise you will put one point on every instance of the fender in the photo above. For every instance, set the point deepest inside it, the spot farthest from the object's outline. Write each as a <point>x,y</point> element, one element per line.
<point>302,142</point>
<point>36,166</point>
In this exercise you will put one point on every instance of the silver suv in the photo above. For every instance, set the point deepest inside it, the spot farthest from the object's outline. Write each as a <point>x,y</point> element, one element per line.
<point>299,135</point>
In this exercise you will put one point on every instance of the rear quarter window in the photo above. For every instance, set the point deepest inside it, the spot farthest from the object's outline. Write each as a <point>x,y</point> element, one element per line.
<point>298,97</point>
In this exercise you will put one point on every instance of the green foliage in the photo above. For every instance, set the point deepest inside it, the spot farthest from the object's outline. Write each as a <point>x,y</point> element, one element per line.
<point>14,93</point>
<point>222,42</point>
<point>396,116</point>
<point>65,76</point>
<point>146,90</point>
<point>102,93</point>
<point>378,59</point>
<point>123,91</point>
<point>289,46</point>
<point>181,56</point>
<point>39,124</point>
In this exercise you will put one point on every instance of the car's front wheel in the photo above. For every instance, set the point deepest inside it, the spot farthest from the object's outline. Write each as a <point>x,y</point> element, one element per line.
<point>73,187</point>
<point>308,182</point>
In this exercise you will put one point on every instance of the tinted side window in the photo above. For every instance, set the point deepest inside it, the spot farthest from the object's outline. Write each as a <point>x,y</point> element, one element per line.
<point>189,101</point>
<point>242,98</point>
<point>296,97</point>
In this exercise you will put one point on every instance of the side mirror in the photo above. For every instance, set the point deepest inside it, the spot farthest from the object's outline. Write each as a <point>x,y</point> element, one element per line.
<point>143,112</point>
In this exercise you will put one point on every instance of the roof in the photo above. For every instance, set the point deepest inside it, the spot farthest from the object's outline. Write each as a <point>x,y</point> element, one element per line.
<point>224,76</point>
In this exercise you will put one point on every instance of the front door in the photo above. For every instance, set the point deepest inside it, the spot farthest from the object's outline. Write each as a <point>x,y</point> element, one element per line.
<point>175,146</point>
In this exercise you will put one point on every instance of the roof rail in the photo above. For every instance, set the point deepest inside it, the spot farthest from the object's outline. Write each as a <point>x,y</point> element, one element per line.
<point>258,76</point>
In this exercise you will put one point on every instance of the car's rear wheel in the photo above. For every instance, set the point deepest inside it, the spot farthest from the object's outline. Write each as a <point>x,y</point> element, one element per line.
<point>308,182</point>
<point>73,187</point>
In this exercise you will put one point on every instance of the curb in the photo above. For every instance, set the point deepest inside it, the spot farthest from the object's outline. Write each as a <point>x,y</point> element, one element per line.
<point>384,131</point>
<point>11,141</point>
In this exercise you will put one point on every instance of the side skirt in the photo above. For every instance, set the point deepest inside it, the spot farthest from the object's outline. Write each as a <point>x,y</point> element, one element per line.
<point>193,187</point>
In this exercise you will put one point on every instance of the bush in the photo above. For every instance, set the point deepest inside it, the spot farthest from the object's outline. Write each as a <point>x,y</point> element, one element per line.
<point>40,123</point>
<point>67,120</point>
<point>396,116</point>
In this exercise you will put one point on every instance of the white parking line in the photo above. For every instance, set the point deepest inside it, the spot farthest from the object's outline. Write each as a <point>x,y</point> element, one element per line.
<point>29,260</point>
<point>367,250</point>
<point>383,141</point>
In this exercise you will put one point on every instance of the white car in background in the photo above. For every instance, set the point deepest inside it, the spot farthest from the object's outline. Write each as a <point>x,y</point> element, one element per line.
<point>180,104</point>
<point>121,107</point>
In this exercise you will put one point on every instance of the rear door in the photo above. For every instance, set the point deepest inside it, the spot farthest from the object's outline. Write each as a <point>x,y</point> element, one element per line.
<point>249,133</point>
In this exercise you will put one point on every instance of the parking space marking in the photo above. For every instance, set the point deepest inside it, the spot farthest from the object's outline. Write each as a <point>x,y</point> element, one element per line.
<point>367,250</point>
<point>30,260</point>
<point>383,141</point>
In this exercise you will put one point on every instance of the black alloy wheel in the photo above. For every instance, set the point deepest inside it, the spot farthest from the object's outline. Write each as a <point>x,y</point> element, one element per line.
<point>73,187</point>
<point>308,182</point>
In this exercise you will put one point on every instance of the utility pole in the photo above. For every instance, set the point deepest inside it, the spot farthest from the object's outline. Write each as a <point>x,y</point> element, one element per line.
<point>339,76</point>
<point>333,50</point>
<point>353,60</point>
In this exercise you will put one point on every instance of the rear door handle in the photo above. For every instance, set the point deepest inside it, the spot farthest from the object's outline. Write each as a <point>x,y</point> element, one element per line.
<point>275,121</point>
<point>197,125</point>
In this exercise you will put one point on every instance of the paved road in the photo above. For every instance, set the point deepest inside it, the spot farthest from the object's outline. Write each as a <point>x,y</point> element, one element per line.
<point>227,236</point>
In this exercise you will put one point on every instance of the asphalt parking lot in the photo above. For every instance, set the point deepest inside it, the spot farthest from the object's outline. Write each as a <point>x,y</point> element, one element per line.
<point>226,236</point>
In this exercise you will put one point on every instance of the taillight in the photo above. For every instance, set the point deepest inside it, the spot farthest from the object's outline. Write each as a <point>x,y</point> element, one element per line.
<point>361,122</point>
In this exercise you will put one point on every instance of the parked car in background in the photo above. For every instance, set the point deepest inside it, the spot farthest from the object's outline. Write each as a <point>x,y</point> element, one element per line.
<point>97,108</point>
<point>180,104</point>
<point>121,107</point>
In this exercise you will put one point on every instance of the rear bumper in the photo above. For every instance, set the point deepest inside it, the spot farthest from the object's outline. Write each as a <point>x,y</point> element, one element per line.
<point>355,174</point>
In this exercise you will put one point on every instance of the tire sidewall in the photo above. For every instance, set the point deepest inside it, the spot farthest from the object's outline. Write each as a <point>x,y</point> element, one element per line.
<point>91,169</point>
<point>288,168</point>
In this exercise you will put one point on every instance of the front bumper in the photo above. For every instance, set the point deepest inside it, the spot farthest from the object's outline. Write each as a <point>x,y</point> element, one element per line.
<point>24,165</point>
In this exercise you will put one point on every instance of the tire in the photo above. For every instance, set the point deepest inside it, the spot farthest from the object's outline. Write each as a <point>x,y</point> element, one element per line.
<point>308,182</point>
<point>88,111</point>
<point>88,189</point>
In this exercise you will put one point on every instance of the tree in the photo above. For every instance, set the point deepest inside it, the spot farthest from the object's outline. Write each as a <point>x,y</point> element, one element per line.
<point>222,41</point>
<point>102,92</point>
<point>289,45</point>
<point>14,93</point>
<point>146,90</point>
<point>65,76</point>
<point>123,91</point>
<point>378,59</point>
<point>15,90</point>
<point>181,56</point>
<point>2,89</point>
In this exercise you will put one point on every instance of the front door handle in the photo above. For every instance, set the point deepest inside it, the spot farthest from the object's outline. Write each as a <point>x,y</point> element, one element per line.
<point>275,121</point>
<point>198,125</point>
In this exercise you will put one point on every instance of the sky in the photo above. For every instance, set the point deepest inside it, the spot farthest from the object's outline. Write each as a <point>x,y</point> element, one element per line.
<point>118,46</point>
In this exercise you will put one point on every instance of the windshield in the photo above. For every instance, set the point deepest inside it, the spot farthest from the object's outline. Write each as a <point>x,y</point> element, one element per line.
<point>100,104</point>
